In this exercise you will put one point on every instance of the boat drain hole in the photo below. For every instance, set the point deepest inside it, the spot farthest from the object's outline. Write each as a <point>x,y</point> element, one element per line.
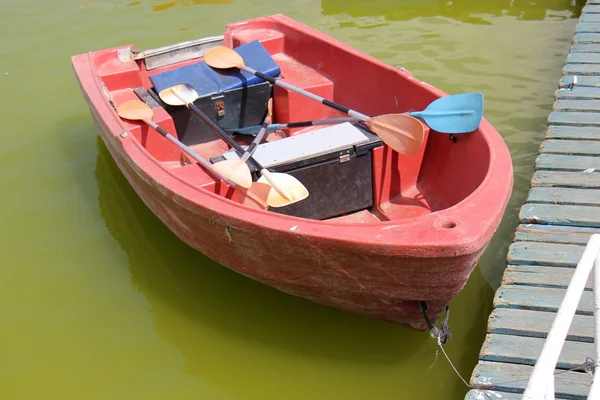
<point>448,224</point>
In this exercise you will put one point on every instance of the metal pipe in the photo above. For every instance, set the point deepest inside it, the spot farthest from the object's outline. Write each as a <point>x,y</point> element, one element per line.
<point>542,377</point>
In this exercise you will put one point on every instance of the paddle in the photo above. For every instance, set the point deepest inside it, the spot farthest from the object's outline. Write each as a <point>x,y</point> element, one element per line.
<point>255,196</point>
<point>288,189</point>
<point>455,113</point>
<point>237,167</point>
<point>402,133</point>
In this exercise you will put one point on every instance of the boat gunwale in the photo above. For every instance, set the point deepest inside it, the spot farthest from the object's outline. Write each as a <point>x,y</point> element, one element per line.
<point>371,235</point>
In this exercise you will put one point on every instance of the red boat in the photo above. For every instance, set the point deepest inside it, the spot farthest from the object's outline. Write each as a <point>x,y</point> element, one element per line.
<point>380,234</point>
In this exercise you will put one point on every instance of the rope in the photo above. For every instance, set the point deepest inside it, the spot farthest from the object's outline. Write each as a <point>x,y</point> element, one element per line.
<point>443,334</point>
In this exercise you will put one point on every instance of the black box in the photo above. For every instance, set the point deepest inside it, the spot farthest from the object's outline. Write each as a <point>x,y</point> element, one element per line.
<point>237,108</point>
<point>339,182</point>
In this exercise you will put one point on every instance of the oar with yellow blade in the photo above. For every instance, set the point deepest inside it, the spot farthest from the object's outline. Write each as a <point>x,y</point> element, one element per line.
<point>400,132</point>
<point>255,196</point>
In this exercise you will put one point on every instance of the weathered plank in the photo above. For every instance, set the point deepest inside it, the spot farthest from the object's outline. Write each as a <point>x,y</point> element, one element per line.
<point>548,254</point>
<point>585,47</point>
<point>578,93</point>
<point>554,234</point>
<point>513,378</point>
<point>586,38</point>
<point>573,132</point>
<point>510,321</point>
<point>590,8</point>
<point>564,196</point>
<point>582,81</point>
<point>590,17</point>
<point>587,27</point>
<point>553,214</point>
<point>540,276</point>
<point>574,118</point>
<point>566,179</point>
<point>581,69</point>
<point>583,58</point>
<point>477,394</point>
<point>576,105</point>
<point>539,299</point>
<point>573,147</point>
<point>559,162</point>
<point>525,350</point>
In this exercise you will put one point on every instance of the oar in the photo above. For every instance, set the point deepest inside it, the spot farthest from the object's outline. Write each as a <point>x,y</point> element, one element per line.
<point>251,130</point>
<point>402,133</point>
<point>455,113</point>
<point>256,196</point>
<point>288,189</point>
<point>238,167</point>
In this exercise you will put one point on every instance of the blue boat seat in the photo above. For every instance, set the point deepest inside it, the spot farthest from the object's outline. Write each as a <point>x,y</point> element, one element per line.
<point>207,81</point>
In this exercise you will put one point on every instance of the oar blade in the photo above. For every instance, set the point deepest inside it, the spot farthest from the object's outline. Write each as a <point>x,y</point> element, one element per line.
<point>222,57</point>
<point>135,110</point>
<point>453,114</point>
<point>235,170</point>
<point>255,196</point>
<point>400,132</point>
<point>185,95</point>
<point>292,185</point>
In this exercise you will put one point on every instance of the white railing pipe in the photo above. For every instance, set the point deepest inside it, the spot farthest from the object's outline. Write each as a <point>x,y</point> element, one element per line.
<point>541,382</point>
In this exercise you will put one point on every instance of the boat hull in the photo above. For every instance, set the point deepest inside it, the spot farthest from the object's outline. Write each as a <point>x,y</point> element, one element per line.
<point>382,270</point>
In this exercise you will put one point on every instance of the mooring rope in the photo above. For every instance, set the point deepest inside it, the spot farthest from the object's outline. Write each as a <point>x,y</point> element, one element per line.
<point>443,334</point>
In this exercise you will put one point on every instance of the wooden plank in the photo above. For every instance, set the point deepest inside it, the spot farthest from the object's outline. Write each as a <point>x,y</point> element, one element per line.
<point>559,162</point>
<point>585,47</point>
<point>581,69</point>
<point>576,105</point>
<point>554,234</point>
<point>578,93</point>
<point>540,276</point>
<point>573,147</point>
<point>526,350</point>
<point>590,17</point>
<point>510,321</point>
<point>572,132</point>
<point>574,118</point>
<point>590,8</point>
<point>566,196</point>
<point>586,38</point>
<point>566,179</point>
<point>548,254</point>
<point>513,378</point>
<point>478,394</point>
<point>554,214</point>
<point>539,299</point>
<point>582,81</point>
<point>583,58</point>
<point>587,27</point>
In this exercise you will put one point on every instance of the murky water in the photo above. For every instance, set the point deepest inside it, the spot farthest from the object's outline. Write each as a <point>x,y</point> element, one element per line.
<point>98,300</point>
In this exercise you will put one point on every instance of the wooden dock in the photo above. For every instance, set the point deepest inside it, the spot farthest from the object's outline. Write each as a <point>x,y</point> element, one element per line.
<point>561,212</point>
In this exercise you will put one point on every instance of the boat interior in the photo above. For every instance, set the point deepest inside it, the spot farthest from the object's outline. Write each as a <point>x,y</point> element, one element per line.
<point>351,175</point>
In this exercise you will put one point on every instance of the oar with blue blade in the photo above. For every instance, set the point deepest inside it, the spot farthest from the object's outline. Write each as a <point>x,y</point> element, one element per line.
<point>452,114</point>
<point>456,113</point>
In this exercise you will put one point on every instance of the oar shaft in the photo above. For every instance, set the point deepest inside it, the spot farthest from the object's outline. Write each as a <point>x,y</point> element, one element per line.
<point>303,92</point>
<point>419,114</point>
<point>301,124</point>
<point>189,151</point>
<point>228,139</point>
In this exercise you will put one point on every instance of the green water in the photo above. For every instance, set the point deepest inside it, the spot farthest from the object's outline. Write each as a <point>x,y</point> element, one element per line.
<point>98,300</point>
